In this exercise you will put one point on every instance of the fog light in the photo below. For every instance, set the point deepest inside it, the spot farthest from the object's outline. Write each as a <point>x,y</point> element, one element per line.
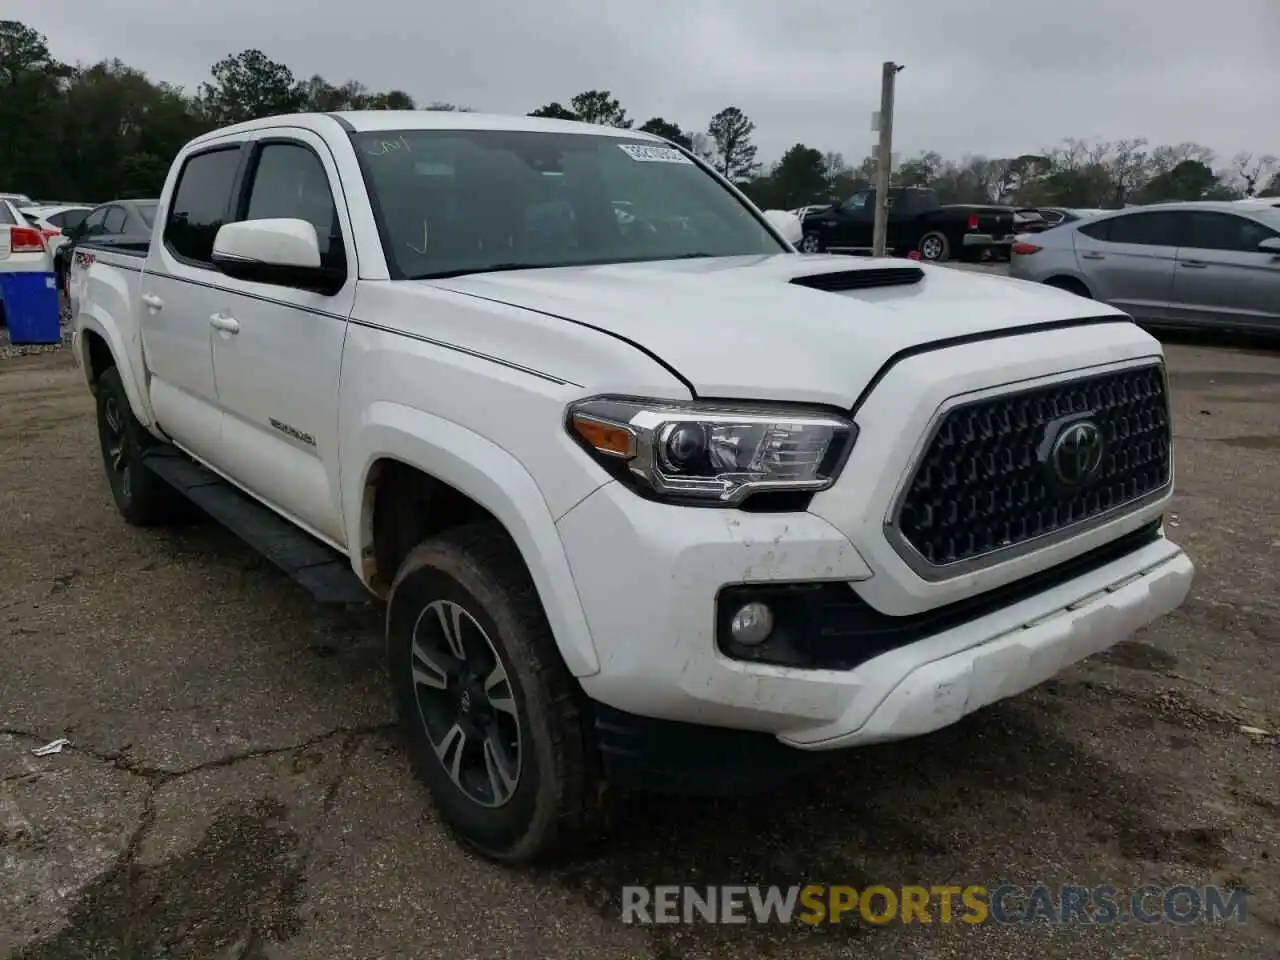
<point>752,624</point>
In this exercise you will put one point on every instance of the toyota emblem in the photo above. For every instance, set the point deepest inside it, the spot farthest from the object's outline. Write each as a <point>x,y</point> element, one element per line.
<point>1076,454</point>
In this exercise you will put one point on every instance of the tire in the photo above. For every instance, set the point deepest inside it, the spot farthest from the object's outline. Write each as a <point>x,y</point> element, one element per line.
<point>1071,285</point>
<point>142,498</point>
<point>524,785</point>
<point>934,247</point>
<point>811,243</point>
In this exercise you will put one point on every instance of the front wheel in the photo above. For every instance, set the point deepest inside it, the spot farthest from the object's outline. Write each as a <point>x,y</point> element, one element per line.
<point>811,243</point>
<point>496,725</point>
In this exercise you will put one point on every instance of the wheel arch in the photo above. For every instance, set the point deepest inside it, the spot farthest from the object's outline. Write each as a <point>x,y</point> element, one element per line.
<point>1070,282</point>
<point>99,346</point>
<point>409,459</point>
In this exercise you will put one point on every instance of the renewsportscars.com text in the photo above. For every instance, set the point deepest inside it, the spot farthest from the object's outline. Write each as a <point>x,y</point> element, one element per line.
<point>816,904</point>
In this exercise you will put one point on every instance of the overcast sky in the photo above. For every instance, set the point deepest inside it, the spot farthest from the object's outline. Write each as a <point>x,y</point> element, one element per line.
<point>994,77</point>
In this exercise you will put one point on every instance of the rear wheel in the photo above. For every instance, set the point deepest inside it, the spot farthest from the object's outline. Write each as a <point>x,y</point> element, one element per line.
<point>811,243</point>
<point>142,498</point>
<point>496,724</point>
<point>934,247</point>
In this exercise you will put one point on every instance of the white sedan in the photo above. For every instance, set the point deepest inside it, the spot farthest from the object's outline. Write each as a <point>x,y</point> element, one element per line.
<point>22,250</point>
<point>56,222</point>
<point>22,246</point>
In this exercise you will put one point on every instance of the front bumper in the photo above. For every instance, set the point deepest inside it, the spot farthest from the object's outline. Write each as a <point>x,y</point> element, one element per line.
<point>1004,660</point>
<point>651,610</point>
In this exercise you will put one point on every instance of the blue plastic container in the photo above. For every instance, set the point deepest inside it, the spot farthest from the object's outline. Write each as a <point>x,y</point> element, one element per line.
<point>31,307</point>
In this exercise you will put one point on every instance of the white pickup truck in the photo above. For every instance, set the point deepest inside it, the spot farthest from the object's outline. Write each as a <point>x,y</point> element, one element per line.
<point>651,498</point>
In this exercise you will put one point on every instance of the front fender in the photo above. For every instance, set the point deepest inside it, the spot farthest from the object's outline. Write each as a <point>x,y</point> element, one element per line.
<point>490,476</point>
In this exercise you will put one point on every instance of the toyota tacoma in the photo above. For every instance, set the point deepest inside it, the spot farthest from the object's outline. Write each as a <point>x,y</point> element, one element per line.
<point>651,500</point>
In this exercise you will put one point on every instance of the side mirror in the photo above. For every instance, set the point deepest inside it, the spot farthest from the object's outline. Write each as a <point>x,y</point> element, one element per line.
<point>283,252</point>
<point>1270,245</point>
<point>787,224</point>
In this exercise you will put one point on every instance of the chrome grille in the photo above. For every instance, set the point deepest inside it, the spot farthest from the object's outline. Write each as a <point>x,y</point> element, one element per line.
<point>985,483</point>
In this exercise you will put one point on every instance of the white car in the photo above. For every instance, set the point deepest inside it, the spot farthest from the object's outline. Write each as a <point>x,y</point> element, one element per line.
<point>55,221</point>
<point>22,245</point>
<point>1259,202</point>
<point>659,502</point>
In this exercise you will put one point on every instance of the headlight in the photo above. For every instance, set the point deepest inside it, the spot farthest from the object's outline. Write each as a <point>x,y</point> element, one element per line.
<point>712,452</point>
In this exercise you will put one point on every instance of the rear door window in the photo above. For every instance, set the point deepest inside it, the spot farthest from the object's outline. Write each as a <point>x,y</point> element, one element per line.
<point>114,223</point>
<point>1153,229</point>
<point>93,222</point>
<point>200,203</point>
<point>1098,231</point>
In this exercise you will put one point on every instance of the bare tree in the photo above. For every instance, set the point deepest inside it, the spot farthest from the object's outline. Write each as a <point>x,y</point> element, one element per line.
<point>704,147</point>
<point>1164,158</point>
<point>921,170</point>
<point>1128,167</point>
<point>1250,170</point>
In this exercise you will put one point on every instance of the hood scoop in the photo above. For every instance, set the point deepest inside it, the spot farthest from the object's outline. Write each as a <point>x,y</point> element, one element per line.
<point>844,280</point>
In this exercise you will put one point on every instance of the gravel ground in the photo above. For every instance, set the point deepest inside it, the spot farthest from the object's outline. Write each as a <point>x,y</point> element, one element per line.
<point>234,787</point>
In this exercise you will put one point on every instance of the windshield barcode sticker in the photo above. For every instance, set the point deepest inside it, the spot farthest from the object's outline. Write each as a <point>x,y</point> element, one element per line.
<point>647,154</point>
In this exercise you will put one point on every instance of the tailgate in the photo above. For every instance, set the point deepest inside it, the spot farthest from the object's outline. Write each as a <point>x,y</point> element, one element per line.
<point>6,242</point>
<point>998,223</point>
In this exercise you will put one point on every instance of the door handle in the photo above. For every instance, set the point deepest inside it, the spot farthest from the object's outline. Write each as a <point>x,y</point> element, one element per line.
<point>224,323</point>
<point>1193,264</point>
<point>152,302</point>
<point>1093,256</point>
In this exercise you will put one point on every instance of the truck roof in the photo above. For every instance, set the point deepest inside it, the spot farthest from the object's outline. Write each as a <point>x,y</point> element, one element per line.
<point>375,120</point>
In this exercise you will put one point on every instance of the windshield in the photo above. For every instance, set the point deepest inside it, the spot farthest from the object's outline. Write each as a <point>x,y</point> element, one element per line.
<point>1267,217</point>
<point>465,201</point>
<point>148,212</point>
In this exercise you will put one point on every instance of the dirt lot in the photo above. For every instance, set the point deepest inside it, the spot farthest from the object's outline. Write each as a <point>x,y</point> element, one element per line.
<point>234,789</point>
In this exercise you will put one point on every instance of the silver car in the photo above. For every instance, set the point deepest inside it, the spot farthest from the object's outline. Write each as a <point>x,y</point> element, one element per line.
<point>1175,264</point>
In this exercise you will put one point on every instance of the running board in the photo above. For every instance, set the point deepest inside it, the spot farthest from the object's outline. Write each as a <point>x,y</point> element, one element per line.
<point>316,567</point>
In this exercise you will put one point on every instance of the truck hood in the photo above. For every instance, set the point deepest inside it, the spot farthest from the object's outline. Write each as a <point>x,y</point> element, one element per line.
<point>738,327</point>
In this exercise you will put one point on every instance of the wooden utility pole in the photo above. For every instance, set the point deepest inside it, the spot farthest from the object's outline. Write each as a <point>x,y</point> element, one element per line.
<point>884,157</point>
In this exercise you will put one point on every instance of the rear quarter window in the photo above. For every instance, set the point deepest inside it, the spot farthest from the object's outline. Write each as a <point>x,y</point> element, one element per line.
<point>1098,231</point>
<point>68,219</point>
